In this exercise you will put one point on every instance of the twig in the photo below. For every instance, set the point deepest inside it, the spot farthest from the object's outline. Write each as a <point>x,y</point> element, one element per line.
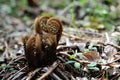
<point>80,61</point>
<point>62,75</point>
<point>16,73</point>
<point>87,62</point>
<point>12,61</point>
<point>62,43</point>
<point>71,36</point>
<point>5,54</point>
<point>74,37</point>
<point>19,58</point>
<point>118,52</point>
<point>72,77</point>
<point>107,37</point>
<point>52,67</point>
<point>64,48</point>
<point>55,76</point>
<point>116,60</point>
<point>116,46</point>
<point>31,74</point>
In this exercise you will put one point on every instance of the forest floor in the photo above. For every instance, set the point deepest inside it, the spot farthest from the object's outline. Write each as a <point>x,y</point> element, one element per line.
<point>89,48</point>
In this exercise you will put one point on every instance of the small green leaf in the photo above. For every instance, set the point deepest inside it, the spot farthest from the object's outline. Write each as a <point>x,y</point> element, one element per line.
<point>94,68</point>
<point>86,50</point>
<point>25,18</point>
<point>94,48</point>
<point>72,56</point>
<point>117,38</point>
<point>68,62</point>
<point>5,66</point>
<point>12,70</point>
<point>90,46</point>
<point>79,54</point>
<point>77,65</point>
<point>92,64</point>
<point>83,2</point>
<point>23,2</point>
<point>109,26</point>
<point>5,9</point>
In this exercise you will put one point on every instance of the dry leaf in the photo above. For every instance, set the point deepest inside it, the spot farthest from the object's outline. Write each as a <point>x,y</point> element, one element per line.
<point>92,55</point>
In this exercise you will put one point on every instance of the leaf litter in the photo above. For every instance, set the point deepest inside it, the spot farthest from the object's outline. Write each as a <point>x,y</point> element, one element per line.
<point>99,57</point>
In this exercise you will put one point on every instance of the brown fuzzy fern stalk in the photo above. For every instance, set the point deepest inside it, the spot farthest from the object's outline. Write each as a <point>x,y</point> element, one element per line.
<point>54,27</point>
<point>40,24</point>
<point>40,48</point>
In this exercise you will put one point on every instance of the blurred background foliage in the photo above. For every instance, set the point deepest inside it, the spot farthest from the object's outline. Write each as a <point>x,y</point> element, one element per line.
<point>97,14</point>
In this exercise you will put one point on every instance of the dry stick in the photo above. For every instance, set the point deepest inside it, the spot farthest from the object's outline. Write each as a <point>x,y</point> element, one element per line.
<point>107,37</point>
<point>16,73</point>
<point>5,54</point>
<point>12,61</point>
<point>55,76</point>
<point>80,61</point>
<point>62,43</point>
<point>71,36</point>
<point>72,78</point>
<point>52,67</point>
<point>118,52</point>
<point>116,46</point>
<point>18,58</point>
<point>116,60</point>
<point>31,74</point>
<point>62,75</point>
<point>76,37</point>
